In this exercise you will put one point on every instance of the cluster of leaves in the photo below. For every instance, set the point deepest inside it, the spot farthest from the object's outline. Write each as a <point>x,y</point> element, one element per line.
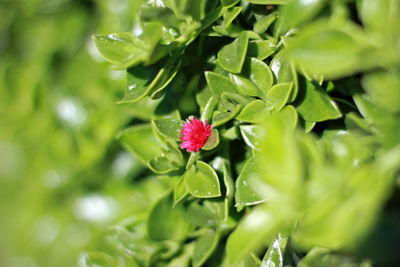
<point>57,132</point>
<point>304,154</point>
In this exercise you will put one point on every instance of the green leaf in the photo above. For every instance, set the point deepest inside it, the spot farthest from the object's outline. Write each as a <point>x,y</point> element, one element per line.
<point>269,2</point>
<point>279,94</point>
<point>212,141</point>
<point>134,243</point>
<point>383,89</point>
<point>219,84</point>
<point>274,255</point>
<point>262,25</point>
<point>192,159</point>
<point>174,154</point>
<point>250,134</point>
<point>228,181</point>
<point>376,14</point>
<point>308,126</point>
<point>285,72</point>
<point>140,141</point>
<point>220,118</point>
<point>161,165</point>
<point>281,166</point>
<point>97,258</point>
<point>315,105</point>
<point>291,16</point>
<point>259,73</point>
<point>166,222</point>
<point>254,112</point>
<point>146,81</point>
<point>231,14</point>
<point>138,80</point>
<point>323,50</point>
<point>170,128</point>
<point>232,100</point>
<point>121,49</point>
<point>183,259</point>
<point>245,86</point>
<point>204,247</point>
<point>322,257</point>
<point>354,121</point>
<point>200,215</point>
<point>256,229</point>
<point>202,181</point>
<point>248,178</point>
<point>229,2</point>
<point>249,261</point>
<point>288,116</point>
<point>209,107</point>
<point>231,57</point>
<point>180,190</point>
<point>260,49</point>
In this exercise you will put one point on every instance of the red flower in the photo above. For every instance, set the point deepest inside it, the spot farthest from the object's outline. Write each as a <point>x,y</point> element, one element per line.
<point>194,134</point>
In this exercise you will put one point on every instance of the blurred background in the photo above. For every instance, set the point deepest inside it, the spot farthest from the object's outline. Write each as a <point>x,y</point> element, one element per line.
<point>63,177</point>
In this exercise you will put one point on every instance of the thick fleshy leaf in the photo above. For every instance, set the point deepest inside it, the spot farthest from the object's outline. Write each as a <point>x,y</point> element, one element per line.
<point>274,255</point>
<point>145,81</point>
<point>141,141</point>
<point>228,181</point>
<point>256,229</point>
<point>323,50</point>
<point>309,125</point>
<point>138,80</point>
<point>279,94</point>
<point>122,49</point>
<point>323,257</point>
<point>232,101</point>
<point>285,73</point>
<point>383,88</point>
<point>208,109</point>
<point>260,49</point>
<point>245,86</point>
<point>280,164</point>
<point>231,57</point>
<point>97,258</point>
<point>291,16</point>
<point>228,2</point>
<point>212,141</point>
<point>166,222</point>
<point>180,191</point>
<point>376,15</point>
<point>161,165</point>
<point>174,154</point>
<point>204,247</point>
<point>134,243</point>
<point>202,181</point>
<point>170,128</point>
<point>250,134</point>
<point>219,84</point>
<point>245,195</point>
<point>200,215</point>
<point>288,116</point>
<point>220,118</point>
<point>231,14</point>
<point>269,2</point>
<point>259,73</point>
<point>253,112</point>
<point>315,105</point>
<point>184,258</point>
<point>262,25</point>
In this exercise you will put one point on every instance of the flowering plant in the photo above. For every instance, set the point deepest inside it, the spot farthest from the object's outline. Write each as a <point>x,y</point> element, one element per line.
<point>303,151</point>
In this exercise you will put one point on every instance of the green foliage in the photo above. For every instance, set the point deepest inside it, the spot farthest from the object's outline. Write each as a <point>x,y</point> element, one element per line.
<point>304,149</point>
<point>302,164</point>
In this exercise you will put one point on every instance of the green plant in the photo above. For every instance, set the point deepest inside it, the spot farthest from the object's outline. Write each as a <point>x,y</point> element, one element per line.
<point>304,155</point>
